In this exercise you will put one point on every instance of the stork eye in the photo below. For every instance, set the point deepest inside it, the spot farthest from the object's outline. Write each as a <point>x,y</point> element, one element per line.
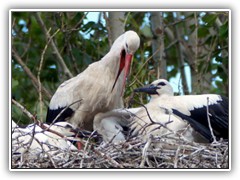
<point>162,84</point>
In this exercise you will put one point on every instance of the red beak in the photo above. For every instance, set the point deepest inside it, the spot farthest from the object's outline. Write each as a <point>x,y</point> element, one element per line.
<point>125,63</point>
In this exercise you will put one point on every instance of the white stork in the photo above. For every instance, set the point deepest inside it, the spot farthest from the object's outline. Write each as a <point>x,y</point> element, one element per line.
<point>168,115</point>
<point>112,125</point>
<point>36,139</point>
<point>164,107</point>
<point>98,88</point>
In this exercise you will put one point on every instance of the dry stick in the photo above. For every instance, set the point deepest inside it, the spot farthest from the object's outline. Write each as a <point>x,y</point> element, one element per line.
<point>144,151</point>
<point>24,110</point>
<point>55,119</point>
<point>46,128</point>
<point>209,123</point>
<point>55,49</point>
<point>152,121</point>
<point>30,74</point>
<point>40,124</point>
<point>39,72</point>
<point>84,153</point>
<point>115,163</point>
<point>32,117</point>
<point>159,123</point>
<point>176,156</point>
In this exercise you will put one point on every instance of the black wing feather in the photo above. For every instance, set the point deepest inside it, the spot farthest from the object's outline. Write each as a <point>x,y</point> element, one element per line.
<point>53,113</point>
<point>218,118</point>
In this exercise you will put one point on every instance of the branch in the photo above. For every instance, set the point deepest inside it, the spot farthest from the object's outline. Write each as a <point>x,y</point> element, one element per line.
<point>110,160</point>
<point>39,73</point>
<point>209,122</point>
<point>30,74</point>
<point>152,122</point>
<point>55,49</point>
<point>55,119</point>
<point>24,110</point>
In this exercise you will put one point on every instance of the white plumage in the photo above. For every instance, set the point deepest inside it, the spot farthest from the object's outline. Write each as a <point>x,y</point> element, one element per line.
<point>167,115</point>
<point>97,89</point>
<point>188,109</point>
<point>111,125</point>
<point>36,140</point>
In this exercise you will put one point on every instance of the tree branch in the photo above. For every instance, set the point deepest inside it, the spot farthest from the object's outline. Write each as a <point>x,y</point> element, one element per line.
<point>55,49</point>
<point>30,74</point>
<point>24,110</point>
<point>39,73</point>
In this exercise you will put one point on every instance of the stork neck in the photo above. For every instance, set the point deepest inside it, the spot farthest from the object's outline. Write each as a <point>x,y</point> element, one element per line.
<point>156,97</point>
<point>111,61</point>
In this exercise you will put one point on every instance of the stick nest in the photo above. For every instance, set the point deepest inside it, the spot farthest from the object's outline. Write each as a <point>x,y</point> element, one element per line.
<point>134,153</point>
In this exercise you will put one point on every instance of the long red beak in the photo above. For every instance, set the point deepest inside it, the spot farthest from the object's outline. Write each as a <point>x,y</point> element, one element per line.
<point>125,63</point>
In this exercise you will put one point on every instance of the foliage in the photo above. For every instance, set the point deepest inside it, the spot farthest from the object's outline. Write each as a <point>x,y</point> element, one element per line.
<point>195,39</point>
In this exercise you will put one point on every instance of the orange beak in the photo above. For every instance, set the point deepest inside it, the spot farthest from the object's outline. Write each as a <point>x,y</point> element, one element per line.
<point>125,63</point>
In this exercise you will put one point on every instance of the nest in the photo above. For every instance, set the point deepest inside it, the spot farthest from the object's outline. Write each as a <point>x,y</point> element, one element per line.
<point>134,153</point>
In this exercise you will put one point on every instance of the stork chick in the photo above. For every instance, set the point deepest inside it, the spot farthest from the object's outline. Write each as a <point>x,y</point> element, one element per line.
<point>36,140</point>
<point>168,116</point>
<point>183,109</point>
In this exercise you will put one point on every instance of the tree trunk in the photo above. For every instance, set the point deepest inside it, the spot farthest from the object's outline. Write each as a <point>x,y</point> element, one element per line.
<point>201,81</point>
<point>115,25</point>
<point>158,44</point>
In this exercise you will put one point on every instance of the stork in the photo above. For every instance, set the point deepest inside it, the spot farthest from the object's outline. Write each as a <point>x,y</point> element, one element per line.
<point>207,114</point>
<point>167,115</point>
<point>112,125</point>
<point>99,88</point>
<point>37,139</point>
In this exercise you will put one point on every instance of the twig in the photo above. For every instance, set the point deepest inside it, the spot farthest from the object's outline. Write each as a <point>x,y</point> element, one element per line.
<point>30,74</point>
<point>209,123</point>
<point>24,110</point>
<point>84,152</point>
<point>105,156</point>
<point>55,49</point>
<point>39,73</point>
<point>176,156</point>
<point>55,119</point>
<point>152,121</point>
<point>144,151</point>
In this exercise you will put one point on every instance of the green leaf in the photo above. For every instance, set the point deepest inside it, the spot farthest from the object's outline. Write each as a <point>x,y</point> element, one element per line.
<point>209,19</point>
<point>203,32</point>
<point>146,31</point>
<point>14,83</point>
<point>223,31</point>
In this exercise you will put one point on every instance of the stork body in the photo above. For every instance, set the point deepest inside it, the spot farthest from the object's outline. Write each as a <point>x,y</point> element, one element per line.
<point>36,140</point>
<point>97,89</point>
<point>111,125</point>
<point>188,109</point>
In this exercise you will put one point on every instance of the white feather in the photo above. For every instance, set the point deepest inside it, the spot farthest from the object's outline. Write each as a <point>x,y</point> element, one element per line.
<point>36,140</point>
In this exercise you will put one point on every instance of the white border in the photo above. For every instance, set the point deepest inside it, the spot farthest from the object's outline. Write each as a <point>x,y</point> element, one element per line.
<point>143,10</point>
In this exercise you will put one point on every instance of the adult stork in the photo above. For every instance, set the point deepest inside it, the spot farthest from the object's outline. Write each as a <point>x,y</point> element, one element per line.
<point>207,114</point>
<point>99,88</point>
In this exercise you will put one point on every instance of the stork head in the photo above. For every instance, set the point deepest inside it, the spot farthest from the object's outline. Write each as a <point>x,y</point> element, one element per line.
<point>157,88</point>
<point>128,43</point>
